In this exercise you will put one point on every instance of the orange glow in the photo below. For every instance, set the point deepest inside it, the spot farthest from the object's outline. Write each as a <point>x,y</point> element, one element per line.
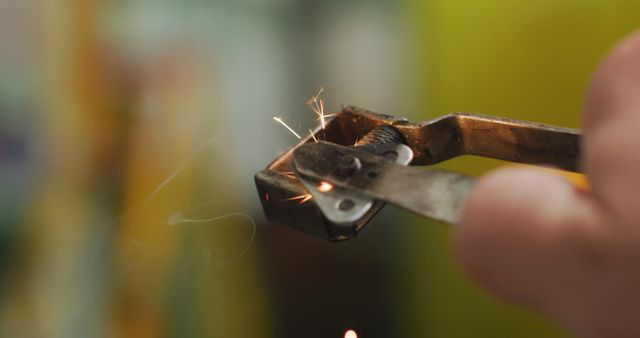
<point>302,198</point>
<point>325,186</point>
<point>350,334</point>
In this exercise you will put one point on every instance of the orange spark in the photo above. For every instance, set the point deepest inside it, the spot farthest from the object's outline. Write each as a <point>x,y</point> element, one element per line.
<point>350,334</point>
<point>316,103</point>
<point>302,198</point>
<point>325,186</point>
<point>279,120</point>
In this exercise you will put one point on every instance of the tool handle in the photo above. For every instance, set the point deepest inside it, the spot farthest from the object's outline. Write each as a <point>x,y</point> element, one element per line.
<point>494,137</point>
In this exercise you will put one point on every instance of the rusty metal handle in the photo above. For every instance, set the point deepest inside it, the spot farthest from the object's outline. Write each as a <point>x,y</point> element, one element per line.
<point>505,139</point>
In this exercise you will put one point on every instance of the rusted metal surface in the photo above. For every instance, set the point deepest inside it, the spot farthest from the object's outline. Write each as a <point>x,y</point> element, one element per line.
<point>431,142</point>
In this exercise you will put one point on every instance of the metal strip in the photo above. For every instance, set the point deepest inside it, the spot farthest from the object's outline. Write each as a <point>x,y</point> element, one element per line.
<point>435,194</point>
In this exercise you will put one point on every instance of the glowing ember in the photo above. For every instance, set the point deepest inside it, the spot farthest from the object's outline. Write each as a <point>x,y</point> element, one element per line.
<point>302,198</point>
<point>350,334</point>
<point>279,120</point>
<point>325,186</point>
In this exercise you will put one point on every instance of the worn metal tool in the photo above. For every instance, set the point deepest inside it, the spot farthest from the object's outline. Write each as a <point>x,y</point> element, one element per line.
<point>364,159</point>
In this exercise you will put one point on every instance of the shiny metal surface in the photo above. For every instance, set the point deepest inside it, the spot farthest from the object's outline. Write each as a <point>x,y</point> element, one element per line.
<point>343,205</point>
<point>430,142</point>
<point>435,194</point>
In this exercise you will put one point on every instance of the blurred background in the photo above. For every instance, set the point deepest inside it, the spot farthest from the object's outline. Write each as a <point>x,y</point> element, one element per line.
<point>130,132</point>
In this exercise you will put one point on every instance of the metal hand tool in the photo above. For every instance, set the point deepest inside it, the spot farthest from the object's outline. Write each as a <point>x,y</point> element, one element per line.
<point>331,188</point>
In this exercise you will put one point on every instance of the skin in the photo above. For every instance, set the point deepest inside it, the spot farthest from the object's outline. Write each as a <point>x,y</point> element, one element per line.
<point>533,238</point>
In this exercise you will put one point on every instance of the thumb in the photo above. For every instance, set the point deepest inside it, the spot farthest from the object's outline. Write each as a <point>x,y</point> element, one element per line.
<point>525,234</point>
<point>532,237</point>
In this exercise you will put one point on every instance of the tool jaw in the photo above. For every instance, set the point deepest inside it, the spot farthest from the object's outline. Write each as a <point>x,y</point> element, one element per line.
<point>278,183</point>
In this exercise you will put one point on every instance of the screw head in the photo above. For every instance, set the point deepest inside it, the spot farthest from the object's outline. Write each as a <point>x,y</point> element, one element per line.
<point>390,155</point>
<point>349,165</point>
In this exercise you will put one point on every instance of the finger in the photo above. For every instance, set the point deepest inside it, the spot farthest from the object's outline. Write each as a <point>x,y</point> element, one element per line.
<point>523,232</point>
<point>615,84</point>
<point>612,131</point>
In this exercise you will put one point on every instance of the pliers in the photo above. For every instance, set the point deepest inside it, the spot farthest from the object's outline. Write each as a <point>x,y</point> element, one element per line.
<point>345,172</point>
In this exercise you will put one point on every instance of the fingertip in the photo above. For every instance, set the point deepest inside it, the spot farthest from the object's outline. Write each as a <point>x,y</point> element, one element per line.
<point>615,82</point>
<point>610,127</point>
<point>630,43</point>
<point>509,194</point>
<point>507,219</point>
<point>624,54</point>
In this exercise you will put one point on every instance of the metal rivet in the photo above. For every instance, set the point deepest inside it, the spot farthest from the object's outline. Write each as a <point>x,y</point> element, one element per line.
<point>390,155</point>
<point>346,204</point>
<point>349,165</point>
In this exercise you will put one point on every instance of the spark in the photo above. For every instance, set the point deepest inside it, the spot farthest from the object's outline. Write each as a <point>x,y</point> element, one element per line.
<point>325,186</point>
<point>279,120</point>
<point>316,103</point>
<point>177,171</point>
<point>350,334</point>
<point>302,198</point>
<point>313,135</point>
<point>178,218</point>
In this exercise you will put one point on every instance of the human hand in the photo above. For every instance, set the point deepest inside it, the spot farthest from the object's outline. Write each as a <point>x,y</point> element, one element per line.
<point>532,237</point>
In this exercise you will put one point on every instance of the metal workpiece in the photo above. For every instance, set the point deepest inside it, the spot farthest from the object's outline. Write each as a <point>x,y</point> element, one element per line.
<point>436,194</point>
<point>342,205</point>
<point>332,188</point>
